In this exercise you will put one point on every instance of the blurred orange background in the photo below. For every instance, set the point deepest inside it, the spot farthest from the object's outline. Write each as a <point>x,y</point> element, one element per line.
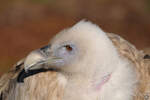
<point>26,25</point>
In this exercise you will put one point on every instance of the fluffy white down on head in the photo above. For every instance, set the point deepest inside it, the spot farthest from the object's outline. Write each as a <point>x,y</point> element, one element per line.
<point>95,49</point>
<point>98,57</point>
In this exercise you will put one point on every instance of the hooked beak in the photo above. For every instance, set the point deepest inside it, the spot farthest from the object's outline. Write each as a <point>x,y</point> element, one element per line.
<point>40,58</point>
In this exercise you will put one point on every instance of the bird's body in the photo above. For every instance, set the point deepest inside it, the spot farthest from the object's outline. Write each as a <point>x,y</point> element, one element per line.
<point>90,66</point>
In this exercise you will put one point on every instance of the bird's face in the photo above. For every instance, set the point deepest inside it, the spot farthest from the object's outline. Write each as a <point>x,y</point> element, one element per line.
<point>62,53</point>
<point>55,56</point>
<point>80,48</point>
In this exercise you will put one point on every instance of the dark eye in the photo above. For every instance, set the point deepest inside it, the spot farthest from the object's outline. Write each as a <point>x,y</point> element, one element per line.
<point>68,47</point>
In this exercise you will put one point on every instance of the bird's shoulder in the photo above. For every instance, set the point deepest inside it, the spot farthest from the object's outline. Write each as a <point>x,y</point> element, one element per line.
<point>10,77</point>
<point>140,60</point>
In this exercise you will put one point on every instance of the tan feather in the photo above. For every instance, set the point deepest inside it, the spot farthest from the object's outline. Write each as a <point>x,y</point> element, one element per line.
<point>6,79</point>
<point>142,65</point>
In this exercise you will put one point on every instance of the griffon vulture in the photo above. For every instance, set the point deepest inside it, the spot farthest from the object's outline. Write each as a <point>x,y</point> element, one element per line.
<point>80,63</point>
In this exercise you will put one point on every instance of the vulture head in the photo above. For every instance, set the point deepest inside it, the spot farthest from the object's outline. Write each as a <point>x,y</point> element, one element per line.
<point>90,63</point>
<point>81,49</point>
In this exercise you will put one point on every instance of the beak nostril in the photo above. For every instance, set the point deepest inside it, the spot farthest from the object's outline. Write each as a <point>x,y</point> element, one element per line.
<point>45,49</point>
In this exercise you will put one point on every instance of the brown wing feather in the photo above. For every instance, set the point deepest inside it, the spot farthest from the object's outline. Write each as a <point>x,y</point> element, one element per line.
<point>142,65</point>
<point>7,79</point>
<point>42,86</point>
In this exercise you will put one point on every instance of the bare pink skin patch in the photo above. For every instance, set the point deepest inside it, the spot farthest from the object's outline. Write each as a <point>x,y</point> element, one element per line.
<point>105,79</point>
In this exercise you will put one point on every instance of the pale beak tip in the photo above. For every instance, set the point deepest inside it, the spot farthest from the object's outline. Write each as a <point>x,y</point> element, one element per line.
<point>32,59</point>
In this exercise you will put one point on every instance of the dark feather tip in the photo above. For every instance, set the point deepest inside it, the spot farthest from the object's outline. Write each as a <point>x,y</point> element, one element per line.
<point>147,56</point>
<point>1,96</point>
